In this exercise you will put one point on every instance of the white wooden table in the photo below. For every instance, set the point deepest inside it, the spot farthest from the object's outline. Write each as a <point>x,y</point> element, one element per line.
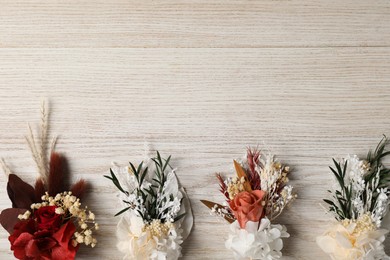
<point>200,80</point>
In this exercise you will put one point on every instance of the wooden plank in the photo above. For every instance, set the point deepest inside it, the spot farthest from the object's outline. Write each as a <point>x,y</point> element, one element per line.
<point>194,23</point>
<point>203,106</point>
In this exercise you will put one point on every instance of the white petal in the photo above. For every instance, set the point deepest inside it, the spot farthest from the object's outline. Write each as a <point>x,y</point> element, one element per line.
<point>171,185</point>
<point>343,241</point>
<point>188,221</point>
<point>251,226</point>
<point>136,225</point>
<point>327,244</point>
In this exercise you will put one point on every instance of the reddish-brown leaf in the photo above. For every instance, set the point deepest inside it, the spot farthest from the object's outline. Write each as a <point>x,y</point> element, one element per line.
<point>21,194</point>
<point>223,187</point>
<point>57,175</point>
<point>78,189</point>
<point>9,217</point>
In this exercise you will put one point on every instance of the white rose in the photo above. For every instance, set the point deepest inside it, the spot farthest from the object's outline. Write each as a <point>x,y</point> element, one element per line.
<point>344,242</point>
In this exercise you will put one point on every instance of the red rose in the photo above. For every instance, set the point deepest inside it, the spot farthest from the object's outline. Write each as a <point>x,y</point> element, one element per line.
<point>31,244</point>
<point>247,206</point>
<point>64,248</point>
<point>47,218</point>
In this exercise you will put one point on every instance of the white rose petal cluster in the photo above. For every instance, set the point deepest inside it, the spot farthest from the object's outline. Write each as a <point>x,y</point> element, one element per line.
<point>359,240</point>
<point>256,241</point>
<point>155,241</point>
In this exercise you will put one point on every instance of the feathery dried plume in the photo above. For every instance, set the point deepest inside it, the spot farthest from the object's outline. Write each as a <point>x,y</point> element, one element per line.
<point>53,144</point>
<point>57,174</point>
<point>5,167</point>
<point>78,189</point>
<point>39,189</point>
<point>38,148</point>
<point>44,130</point>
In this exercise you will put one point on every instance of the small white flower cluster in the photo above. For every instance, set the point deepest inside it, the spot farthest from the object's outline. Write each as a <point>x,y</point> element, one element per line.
<point>168,208</point>
<point>136,202</point>
<point>70,206</point>
<point>24,216</point>
<point>381,206</point>
<point>172,206</point>
<point>256,242</point>
<point>356,171</point>
<point>235,185</point>
<point>273,176</point>
<point>221,211</point>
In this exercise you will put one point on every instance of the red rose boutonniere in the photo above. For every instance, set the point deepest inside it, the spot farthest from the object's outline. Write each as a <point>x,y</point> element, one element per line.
<point>46,220</point>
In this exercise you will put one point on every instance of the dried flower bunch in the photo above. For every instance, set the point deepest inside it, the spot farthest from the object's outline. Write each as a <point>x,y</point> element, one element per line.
<point>359,203</point>
<point>157,216</point>
<point>47,221</point>
<point>255,197</point>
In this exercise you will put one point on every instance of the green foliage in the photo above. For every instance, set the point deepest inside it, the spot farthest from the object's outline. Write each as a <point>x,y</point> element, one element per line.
<point>342,198</point>
<point>150,194</point>
<point>377,177</point>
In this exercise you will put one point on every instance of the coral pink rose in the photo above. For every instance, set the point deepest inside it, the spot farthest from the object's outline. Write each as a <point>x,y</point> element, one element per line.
<point>247,206</point>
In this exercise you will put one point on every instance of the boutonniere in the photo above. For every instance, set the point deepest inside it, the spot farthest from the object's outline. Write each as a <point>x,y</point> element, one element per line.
<point>255,197</point>
<point>359,201</point>
<point>47,220</point>
<point>156,217</point>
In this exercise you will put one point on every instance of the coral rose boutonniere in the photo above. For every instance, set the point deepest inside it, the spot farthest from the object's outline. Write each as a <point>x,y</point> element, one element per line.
<point>255,197</point>
<point>46,220</point>
<point>156,217</point>
<point>359,201</point>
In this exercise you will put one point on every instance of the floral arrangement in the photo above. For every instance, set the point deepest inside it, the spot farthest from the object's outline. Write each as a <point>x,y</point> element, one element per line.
<point>46,220</point>
<point>359,202</point>
<point>157,216</point>
<point>254,198</point>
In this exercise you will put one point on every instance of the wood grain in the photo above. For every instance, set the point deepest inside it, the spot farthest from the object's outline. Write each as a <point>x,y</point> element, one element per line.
<point>201,81</point>
<point>194,23</point>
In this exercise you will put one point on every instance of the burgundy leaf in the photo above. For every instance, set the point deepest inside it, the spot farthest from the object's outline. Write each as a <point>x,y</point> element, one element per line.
<point>9,217</point>
<point>223,187</point>
<point>21,194</point>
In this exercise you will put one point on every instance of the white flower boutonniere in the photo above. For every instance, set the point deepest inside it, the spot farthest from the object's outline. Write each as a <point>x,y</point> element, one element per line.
<point>359,202</point>
<point>156,217</point>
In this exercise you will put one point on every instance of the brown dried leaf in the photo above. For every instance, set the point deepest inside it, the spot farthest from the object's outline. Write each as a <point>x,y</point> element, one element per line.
<point>241,173</point>
<point>211,205</point>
